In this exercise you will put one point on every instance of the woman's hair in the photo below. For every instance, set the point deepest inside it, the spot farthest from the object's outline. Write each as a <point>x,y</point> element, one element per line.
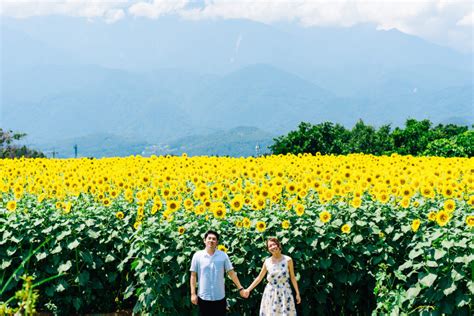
<point>275,240</point>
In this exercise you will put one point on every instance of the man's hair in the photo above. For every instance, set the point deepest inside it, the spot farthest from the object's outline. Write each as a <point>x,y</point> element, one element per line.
<point>275,240</point>
<point>211,232</point>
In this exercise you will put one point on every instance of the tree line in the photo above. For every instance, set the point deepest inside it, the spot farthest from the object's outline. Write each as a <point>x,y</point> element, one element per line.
<point>10,150</point>
<point>417,138</point>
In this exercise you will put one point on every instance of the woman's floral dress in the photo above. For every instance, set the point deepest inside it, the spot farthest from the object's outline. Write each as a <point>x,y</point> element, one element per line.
<point>277,298</point>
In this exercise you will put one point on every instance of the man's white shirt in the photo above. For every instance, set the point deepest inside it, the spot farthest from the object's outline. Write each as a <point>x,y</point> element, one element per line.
<point>211,271</point>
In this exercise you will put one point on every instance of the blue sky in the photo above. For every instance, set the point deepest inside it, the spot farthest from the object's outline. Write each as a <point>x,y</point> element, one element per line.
<point>444,22</point>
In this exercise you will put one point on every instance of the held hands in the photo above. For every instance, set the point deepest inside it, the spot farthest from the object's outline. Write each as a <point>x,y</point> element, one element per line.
<point>245,293</point>
<point>194,299</point>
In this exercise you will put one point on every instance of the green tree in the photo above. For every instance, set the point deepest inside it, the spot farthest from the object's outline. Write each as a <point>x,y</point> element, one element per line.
<point>445,148</point>
<point>413,139</point>
<point>325,138</point>
<point>9,150</point>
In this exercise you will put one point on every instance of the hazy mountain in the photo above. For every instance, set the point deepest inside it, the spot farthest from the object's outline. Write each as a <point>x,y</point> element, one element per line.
<point>159,80</point>
<point>236,142</point>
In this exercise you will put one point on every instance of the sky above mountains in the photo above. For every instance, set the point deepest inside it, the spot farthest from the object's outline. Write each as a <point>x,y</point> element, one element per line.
<point>444,22</point>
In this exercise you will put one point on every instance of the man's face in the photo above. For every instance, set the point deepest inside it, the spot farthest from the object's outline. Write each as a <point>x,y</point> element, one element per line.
<point>210,241</point>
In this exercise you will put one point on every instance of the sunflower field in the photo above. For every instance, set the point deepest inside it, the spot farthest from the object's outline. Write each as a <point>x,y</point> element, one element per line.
<point>368,235</point>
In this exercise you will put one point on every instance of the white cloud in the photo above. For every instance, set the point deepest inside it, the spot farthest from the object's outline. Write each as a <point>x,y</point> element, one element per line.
<point>157,8</point>
<point>109,9</point>
<point>447,22</point>
<point>114,15</point>
<point>467,20</point>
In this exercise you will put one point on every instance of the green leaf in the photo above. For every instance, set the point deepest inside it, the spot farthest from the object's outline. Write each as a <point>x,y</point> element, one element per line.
<point>84,278</point>
<point>357,239</point>
<point>413,292</point>
<point>447,244</point>
<point>60,288</point>
<point>439,253</point>
<point>65,266</point>
<point>431,264</point>
<point>93,234</point>
<point>109,258</point>
<point>428,279</point>
<point>450,289</point>
<point>63,234</point>
<point>56,249</point>
<point>415,253</point>
<point>181,259</point>
<point>5,264</point>
<point>325,263</point>
<point>41,255</point>
<point>168,259</point>
<point>406,265</point>
<point>397,236</point>
<point>73,245</point>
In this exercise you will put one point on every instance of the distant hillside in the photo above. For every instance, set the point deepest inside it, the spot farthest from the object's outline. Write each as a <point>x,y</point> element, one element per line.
<point>240,141</point>
<point>66,78</point>
<point>96,145</point>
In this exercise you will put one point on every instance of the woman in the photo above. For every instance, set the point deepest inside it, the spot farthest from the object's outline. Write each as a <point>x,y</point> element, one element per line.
<point>277,297</point>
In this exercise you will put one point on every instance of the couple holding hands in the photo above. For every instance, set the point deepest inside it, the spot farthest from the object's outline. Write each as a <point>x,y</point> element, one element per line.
<point>209,266</point>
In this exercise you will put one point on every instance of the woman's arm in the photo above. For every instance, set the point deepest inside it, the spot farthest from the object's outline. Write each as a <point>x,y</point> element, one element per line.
<point>293,280</point>
<point>259,279</point>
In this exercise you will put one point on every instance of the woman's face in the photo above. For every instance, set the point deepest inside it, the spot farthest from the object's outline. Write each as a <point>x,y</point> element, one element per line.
<point>273,247</point>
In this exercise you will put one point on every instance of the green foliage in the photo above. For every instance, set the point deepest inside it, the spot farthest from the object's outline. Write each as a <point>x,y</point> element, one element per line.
<point>379,267</point>
<point>9,150</point>
<point>84,248</point>
<point>416,138</point>
<point>444,148</point>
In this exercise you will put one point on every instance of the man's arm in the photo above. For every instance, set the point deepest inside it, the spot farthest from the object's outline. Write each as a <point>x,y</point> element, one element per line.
<point>194,298</point>
<point>235,279</point>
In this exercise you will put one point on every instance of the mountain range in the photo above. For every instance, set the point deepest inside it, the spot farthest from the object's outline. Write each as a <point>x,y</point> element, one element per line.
<point>169,83</point>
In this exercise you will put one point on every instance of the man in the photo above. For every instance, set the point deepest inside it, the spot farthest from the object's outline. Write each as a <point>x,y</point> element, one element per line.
<point>209,266</point>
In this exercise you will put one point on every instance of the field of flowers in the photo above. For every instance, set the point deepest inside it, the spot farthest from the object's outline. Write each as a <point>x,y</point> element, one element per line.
<point>367,234</point>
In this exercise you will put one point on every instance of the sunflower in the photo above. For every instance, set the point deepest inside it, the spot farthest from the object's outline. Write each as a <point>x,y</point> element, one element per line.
<point>447,191</point>
<point>11,206</point>
<point>172,206</point>
<point>471,200</point>
<point>219,212</point>
<point>199,210</point>
<point>405,202</point>
<point>356,202</point>
<point>325,216</point>
<point>346,228</point>
<point>285,224</point>
<point>442,218</point>
<point>188,204</point>
<point>237,203</point>
<point>246,222</point>
<point>449,205</point>
<point>137,225</point>
<point>299,209</point>
<point>106,202</point>
<point>222,248</point>
<point>261,226</point>
<point>470,220</point>
<point>181,230</point>
<point>383,197</point>
<point>415,224</point>
<point>432,216</point>
<point>119,215</point>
